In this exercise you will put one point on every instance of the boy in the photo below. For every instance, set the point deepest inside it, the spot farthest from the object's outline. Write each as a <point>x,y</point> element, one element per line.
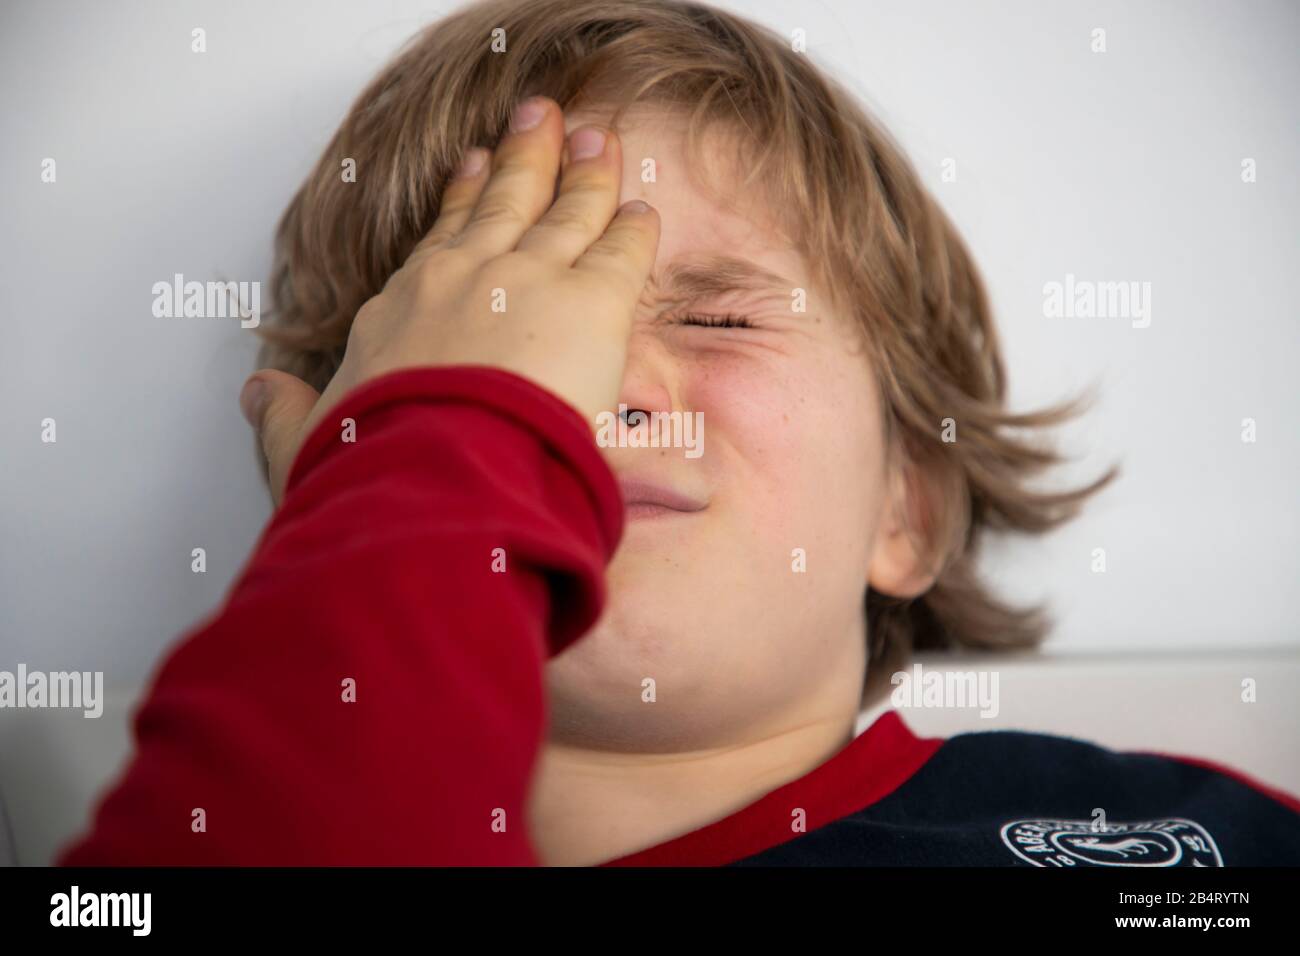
<point>472,635</point>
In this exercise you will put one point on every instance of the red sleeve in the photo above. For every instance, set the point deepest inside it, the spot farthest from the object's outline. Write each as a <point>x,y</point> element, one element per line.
<point>378,569</point>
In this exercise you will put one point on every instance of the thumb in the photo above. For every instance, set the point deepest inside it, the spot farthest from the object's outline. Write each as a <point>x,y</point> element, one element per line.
<point>277,404</point>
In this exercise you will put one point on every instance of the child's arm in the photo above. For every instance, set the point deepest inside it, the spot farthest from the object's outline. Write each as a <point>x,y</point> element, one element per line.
<point>381,568</point>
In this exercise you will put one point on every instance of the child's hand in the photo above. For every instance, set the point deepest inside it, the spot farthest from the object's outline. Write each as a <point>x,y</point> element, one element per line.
<point>504,278</point>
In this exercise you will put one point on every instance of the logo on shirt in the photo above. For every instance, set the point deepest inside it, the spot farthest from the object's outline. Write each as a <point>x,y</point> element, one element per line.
<point>1086,843</point>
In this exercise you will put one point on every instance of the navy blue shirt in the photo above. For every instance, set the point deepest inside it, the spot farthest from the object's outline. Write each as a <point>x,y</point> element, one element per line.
<point>999,798</point>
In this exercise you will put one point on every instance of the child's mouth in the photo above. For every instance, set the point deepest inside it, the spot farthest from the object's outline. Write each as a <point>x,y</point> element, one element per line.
<point>643,509</point>
<point>644,499</point>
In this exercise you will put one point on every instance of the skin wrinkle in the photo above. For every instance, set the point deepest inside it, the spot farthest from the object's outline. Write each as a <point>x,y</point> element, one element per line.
<point>719,275</point>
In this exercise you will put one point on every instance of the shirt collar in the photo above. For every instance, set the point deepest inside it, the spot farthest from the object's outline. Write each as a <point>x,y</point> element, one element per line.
<point>867,769</point>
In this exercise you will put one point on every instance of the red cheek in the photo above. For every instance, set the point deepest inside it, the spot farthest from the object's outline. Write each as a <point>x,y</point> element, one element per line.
<point>753,407</point>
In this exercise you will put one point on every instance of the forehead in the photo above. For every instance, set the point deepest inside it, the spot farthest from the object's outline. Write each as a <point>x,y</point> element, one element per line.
<point>701,220</point>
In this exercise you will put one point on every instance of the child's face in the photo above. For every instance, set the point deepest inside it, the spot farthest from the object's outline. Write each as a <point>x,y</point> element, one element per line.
<point>708,603</point>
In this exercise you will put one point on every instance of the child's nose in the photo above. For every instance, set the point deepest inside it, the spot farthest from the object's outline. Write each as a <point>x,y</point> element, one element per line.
<point>651,382</point>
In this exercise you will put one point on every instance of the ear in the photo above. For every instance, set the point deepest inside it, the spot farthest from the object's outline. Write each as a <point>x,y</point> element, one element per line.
<point>901,565</point>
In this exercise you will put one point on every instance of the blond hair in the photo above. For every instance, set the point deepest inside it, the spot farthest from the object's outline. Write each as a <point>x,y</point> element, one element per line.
<point>856,209</point>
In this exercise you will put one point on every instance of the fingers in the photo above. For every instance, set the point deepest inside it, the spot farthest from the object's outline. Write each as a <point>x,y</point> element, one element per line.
<point>625,254</point>
<point>507,199</point>
<point>458,198</point>
<point>277,404</point>
<point>522,181</point>
<point>588,196</point>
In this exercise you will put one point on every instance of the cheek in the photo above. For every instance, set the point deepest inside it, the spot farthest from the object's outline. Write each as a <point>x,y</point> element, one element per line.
<point>798,443</point>
<point>750,407</point>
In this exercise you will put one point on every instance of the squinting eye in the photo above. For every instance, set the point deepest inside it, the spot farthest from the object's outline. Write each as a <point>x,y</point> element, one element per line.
<point>727,321</point>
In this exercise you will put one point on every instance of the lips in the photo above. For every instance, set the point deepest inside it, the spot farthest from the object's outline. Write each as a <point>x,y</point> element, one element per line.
<point>646,499</point>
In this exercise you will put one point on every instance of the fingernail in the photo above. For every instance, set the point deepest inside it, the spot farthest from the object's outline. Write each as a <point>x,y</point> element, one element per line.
<point>635,206</point>
<point>528,114</point>
<point>472,162</point>
<point>586,143</point>
<point>252,400</point>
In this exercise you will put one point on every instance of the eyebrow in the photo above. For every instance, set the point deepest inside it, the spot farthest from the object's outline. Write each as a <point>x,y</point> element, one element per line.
<point>687,280</point>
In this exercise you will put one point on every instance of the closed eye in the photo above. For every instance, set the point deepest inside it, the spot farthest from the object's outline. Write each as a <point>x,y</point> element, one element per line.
<point>728,321</point>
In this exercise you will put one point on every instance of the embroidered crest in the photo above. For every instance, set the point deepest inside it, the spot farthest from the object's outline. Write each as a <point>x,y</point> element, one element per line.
<point>1085,843</point>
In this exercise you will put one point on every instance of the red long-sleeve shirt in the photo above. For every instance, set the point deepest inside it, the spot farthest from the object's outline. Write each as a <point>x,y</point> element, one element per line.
<point>382,568</point>
<point>378,568</point>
